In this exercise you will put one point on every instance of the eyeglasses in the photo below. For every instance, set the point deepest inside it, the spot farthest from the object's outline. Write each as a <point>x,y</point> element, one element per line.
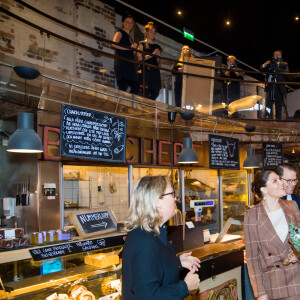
<point>289,181</point>
<point>171,193</point>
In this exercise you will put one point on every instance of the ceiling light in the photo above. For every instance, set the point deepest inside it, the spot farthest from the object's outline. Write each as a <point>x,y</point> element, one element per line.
<point>188,154</point>
<point>25,139</point>
<point>251,161</point>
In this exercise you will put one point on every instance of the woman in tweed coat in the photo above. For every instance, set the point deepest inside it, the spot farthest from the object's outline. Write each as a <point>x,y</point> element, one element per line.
<point>266,239</point>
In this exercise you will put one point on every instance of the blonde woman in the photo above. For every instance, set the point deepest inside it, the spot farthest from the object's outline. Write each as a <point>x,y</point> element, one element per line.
<point>152,75</point>
<point>185,56</point>
<point>150,265</point>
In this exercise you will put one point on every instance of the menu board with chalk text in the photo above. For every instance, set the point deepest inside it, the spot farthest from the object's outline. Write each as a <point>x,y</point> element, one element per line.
<point>90,134</point>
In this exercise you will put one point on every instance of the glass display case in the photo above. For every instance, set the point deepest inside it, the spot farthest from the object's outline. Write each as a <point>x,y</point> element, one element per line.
<point>235,196</point>
<point>28,279</point>
<point>202,184</point>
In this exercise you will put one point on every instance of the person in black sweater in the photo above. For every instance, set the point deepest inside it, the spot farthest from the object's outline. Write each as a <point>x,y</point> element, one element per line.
<point>150,266</point>
<point>152,75</point>
<point>125,71</point>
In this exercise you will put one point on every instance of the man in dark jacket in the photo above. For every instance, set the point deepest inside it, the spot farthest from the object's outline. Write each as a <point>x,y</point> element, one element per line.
<point>288,173</point>
<point>275,93</point>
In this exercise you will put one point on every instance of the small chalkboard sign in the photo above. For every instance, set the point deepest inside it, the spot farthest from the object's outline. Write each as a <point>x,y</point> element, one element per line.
<point>272,155</point>
<point>223,152</point>
<point>93,222</point>
<point>90,134</point>
<point>58,250</point>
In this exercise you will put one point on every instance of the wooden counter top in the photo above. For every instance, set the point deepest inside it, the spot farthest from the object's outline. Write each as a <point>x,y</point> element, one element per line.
<point>212,250</point>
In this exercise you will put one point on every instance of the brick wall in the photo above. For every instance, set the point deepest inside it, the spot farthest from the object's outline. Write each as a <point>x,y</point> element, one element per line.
<point>25,43</point>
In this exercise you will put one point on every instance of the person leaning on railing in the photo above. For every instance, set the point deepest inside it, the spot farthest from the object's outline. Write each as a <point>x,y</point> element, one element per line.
<point>125,71</point>
<point>185,56</point>
<point>152,75</point>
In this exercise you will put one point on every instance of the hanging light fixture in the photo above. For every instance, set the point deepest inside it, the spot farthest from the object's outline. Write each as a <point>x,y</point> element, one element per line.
<point>251,161</point>
<point>25,139</point>
<point>188,154</point>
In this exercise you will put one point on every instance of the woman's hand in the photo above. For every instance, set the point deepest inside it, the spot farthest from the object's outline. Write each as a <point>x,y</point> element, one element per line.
<point>156,52</point>
<point>189,262</point>
<point>263,297</point>
<point>192,280</point>
<point>134,46</point>
<point>292,258</point>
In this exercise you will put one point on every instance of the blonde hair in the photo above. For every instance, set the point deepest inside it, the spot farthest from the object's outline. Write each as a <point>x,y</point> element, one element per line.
<point>143,211</point>
<point>182,55</point>
<point>231,57</point>
<point>149,25</point>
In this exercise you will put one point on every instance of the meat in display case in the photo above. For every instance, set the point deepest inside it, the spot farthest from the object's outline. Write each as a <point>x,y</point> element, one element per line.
<point>83,273</point>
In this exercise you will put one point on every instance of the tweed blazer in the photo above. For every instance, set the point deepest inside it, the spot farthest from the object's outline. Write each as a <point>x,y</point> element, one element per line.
<point>265,253</point>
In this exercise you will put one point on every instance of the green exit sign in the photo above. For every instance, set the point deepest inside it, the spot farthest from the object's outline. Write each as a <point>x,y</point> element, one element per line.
<point>188,34</point>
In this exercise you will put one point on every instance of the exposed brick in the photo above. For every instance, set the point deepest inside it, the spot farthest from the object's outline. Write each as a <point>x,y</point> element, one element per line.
<point>96,11</point>
<point>47,60</point>
<point>5,6</point>
<point>99,64</point>
<point>91,4</point>
<point>98,29</point>
<point>30,55</point>
<point>109,7</point>
<point>5,17</point>
<point>7,35</point>
<point>39,58</point>
<point>85,69</point>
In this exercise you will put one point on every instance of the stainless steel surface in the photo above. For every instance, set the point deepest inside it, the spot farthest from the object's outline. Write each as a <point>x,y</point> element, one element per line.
<point>130,182</point>
<point>49,209</point>
<point>221,198</point>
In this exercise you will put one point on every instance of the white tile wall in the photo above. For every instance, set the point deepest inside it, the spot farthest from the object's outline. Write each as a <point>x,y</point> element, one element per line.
<point>80,190</point>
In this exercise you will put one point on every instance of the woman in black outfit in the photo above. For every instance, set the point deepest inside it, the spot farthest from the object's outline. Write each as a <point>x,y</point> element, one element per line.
<point>152,75</point>
<point>150,265</point>
<point>185,56</point>
<point>125,72</point>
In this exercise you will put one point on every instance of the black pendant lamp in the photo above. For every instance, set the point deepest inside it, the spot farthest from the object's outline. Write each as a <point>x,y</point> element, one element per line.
<point>251,161</point>
<point>25,139</point>
<point>188,154</point>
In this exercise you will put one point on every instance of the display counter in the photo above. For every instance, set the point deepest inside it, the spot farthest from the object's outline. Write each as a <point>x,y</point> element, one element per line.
<point>41,271</point>
<point>27,275</point>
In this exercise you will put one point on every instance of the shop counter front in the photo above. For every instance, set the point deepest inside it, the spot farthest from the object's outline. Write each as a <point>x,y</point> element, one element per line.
<point>221,271</point>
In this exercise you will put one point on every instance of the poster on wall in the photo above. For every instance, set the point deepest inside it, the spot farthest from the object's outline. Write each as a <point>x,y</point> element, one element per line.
<point>93,135</point>
<point>223,152</point>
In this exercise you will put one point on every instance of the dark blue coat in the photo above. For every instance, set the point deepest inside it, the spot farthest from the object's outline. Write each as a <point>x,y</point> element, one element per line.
<point>151,268</point>
<point>296,198</point>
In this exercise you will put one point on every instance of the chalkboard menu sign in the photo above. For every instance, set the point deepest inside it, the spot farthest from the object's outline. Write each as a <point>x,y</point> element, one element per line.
<point>92,222</point>
<point>75,247</point>
<point>272,155</point>
<point>90,134</point>
<point>223,152</point>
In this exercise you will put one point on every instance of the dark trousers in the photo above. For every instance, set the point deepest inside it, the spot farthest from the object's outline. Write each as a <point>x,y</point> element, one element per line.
<point>124,83</point>
<point>152,93</point>
<point>278,99</point>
